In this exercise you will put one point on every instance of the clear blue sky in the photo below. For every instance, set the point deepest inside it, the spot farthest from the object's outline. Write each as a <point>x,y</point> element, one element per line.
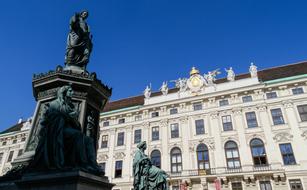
<point>142,41</point>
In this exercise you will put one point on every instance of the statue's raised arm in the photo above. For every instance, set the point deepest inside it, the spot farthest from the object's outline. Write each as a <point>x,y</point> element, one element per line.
<point>79,42</point>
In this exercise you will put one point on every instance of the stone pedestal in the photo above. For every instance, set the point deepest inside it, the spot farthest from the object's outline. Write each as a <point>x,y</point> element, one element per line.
<point>90,97</point>
<point>73,180</point>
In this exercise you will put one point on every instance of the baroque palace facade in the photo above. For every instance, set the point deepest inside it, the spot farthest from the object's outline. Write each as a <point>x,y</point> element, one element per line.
<point>246,131</point>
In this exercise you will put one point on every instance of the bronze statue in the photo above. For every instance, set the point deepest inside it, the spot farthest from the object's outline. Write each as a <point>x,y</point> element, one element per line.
<point>62,145</point>
<point>146,175</point>
<point>79,41</point>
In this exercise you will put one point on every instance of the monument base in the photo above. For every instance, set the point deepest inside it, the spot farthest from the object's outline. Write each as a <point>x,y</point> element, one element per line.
<point>70,180</point>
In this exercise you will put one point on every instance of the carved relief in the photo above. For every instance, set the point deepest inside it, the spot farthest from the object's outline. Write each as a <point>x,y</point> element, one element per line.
<point>208,142</point>
<point>262,107</point>
<point>102,157</point>
<point>283,137</point>
<point>119,155</point>
<point>287,104</point>
<point>237,111</point>
<point>230,138</point>
<point>214,115</point>
<point>304,134</point>
<point>255,136</point>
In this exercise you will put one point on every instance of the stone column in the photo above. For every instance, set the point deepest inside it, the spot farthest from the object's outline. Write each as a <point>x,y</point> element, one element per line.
<point>127,169</point>
<point>185,134</point>
<point>163,133</point>
<point>110,165</point>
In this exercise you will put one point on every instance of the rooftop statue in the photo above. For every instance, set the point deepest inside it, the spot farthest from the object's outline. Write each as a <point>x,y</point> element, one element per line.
<point>211,76</point>
<point>62,145</point>
<point>253,70</point>
<point>79,41</point>
<point>164,88</point>
<point>147,92</point>
<point>230,74</point>
<point>146,175</point>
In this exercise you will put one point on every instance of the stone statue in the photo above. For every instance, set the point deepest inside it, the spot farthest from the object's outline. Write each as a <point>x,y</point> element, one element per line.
<point>253,70</point>
<point>211,77</point>
<point>230,74</point>
<point>164,88</point>
<point>181,83</point>
<point>147,92</point>
<point>90,124</point>
<point>79,42</point>
<point>62,145</point>
<point>147,176</point>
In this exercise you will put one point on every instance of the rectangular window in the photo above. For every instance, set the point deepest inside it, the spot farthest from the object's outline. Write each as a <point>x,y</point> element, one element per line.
<point>121,120</point>
<point>296,91</point>
<point>271,95</point>
<point>224,103</point>
<point>106,123</point>
<point>173,111</point>
<point>302,110</point>
<point>10,158</point>
<point>120,138</point>
<point>138,117</point>
<point>236,186</point>
<point>251,119</point>
<point>20,152</point>
<point>197,106</point>
<point>227,124</point>
<point>155,114</point>
<point>4,143</point>
<point>104,141</point>
<point>277,117</point>
<point>155,133</point>
<point>118,168</point>
<point>14,141</point>
<point>295,184</point>
<point>137,136</point>
<point>247,99</point>
<point>1,157</point>
<point>23,139</point>
<point>200,126</point>
<point>175,130</point>
<point>287,154</point>
<point>103,166</point>
<point>265,185</point>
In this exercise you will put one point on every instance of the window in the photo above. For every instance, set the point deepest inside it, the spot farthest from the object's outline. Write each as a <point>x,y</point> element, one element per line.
<point>155,114</point>
<point>302,110</point>
<point>103,166</point>
<point>227,124</point>
<point>120,138</point>
<point>4,143</point>
<point>23,139</point>
<point>118,168</point>
<point>1,157</point>
<point>176,161</point>
<point>258,152</point>
<point>121,120</point>
<point>156,158</point>
<point>287,154</point>
<point>224,102</point>
<point>155,133</point>
<point>10,158</point>
<point>106,123</point>
<point>14,141</point>
<point>247,99</point>
<point>175,187</point>
<point>137,136</point>
<point>265,185</point>
<point>175,130</point>
<point>277,117</point>
<point>138,117</point>
<point>295,184</point>
<point>251,119</point>
<point>202,157</point>
<point>197,106</point>
<point>296,91</point>
<point>236,186</point>
<point>232,155</point>
<point>104,141</point>
<point>271,95</point>
<point>20,152</point>
<point>173,111</point>
<point>199,125</point>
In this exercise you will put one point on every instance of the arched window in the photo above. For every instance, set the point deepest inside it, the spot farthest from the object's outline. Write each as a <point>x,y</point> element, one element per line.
<point>155,157</point>
<point>176,161</point>
<point>258,152</point>
<point>232,155</point>
<point>202,157</point>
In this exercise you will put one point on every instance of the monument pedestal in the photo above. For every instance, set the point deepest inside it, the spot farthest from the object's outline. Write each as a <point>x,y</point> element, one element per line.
<point>70,180</point>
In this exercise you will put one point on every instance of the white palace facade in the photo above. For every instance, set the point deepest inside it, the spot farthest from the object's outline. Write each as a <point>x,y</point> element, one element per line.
<point>246,131</point>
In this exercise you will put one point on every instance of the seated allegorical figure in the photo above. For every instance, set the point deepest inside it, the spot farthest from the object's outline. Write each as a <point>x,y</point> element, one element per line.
<point>146,175</point>
<point>62,145</point>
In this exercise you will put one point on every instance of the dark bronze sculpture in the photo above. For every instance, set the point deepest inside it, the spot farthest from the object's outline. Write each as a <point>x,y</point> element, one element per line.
<point>79,41</point>
<point>62,145</point>
<point>146,175</point>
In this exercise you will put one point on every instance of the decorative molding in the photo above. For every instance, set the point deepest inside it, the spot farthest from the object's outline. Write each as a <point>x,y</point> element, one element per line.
<point>184,119</point>
<point>214,115</point>
<point>283,137</point>
<point>262,107</point>
<point>163,122</point>
<point>255,136</point>
<point>230,138</point>
<point>287,104</point>
<point>304,134</point>
<point>209,142</point>
<point>237,111</point>
<point>102,157</point>
<point>119,155</point>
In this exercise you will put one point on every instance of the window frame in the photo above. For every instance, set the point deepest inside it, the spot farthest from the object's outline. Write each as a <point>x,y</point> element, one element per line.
<point>118,140</point>
<point>199,130</point>
<point>177,164</point>
<point>246,99</point>
<point>302,113</point>
<point>104,141</point>
<point>281,117</point>
<point>153,132</point>
<point>287,155</point>
<point>225,124</point>
<point>232,159</point>
<point>295,92</point>
<point>156,157</point>
<point>269,95</point>
<point>172,113</point>
<point>254,157</point>
<point>249,119</point>
<point>204,161</point>
<point>137,136</point>
<point>174,133</point>
<point>197,106</point>
<point>118,171</point>
<point>224,102</point>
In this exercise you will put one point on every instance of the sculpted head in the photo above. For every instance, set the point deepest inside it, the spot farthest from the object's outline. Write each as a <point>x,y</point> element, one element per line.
<point>142,145</point>
<point>84,14</point>
<point>65,92</point>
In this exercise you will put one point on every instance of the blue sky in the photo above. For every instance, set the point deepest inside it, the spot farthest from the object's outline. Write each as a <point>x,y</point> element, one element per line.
<point>140,41</point>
